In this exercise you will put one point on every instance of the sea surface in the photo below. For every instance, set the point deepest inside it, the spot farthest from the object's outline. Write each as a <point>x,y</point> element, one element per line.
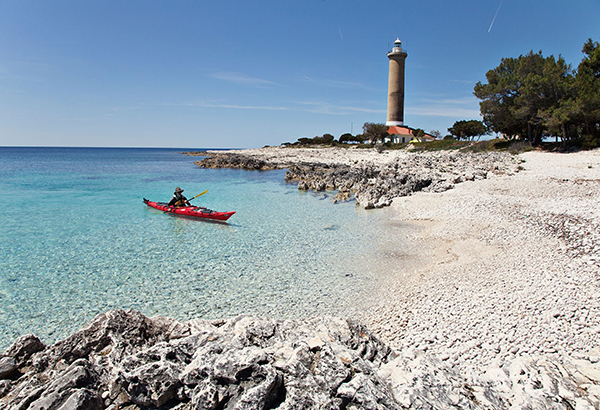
<point>77,240</point>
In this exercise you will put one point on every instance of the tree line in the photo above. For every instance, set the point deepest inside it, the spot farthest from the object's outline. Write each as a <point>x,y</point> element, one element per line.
<point>533,97</point>
<point>373,133</point>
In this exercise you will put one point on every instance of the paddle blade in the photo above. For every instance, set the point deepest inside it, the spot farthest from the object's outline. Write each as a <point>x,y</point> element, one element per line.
<point>202,193</point>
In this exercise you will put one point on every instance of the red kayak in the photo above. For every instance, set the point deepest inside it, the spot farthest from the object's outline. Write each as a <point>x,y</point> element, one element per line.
<point>194,211</point>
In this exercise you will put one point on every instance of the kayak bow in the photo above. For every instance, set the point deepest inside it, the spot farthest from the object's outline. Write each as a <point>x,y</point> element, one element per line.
<point>194,211</point>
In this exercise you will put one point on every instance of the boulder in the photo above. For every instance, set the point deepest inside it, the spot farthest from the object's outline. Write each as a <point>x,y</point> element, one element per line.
<point>23,348</point>
<point>8,365</point>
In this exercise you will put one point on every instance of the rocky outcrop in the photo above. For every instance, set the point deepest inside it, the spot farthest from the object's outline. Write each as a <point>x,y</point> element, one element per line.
<point>233,160</point>
<point>124,360</point>
<point>374,184</point>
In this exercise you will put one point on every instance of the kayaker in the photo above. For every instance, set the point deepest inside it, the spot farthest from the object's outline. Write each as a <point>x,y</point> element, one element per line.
<point>179,200</point>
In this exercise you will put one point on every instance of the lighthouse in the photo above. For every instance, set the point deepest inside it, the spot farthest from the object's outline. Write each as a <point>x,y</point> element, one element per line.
<point>395,107</point>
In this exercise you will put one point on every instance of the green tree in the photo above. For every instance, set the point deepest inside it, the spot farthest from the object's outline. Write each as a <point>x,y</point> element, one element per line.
<point>418,132</point>
<point>498,98</point>
<point>587,82</point>
<point>305,140</point>
<point>374,132</point>
<point>359,138</point>
<point>468,130</point>
<point>325,139</point>
<point>555,93</point>
<point>328,138</point>
<point>345,138</point>
<point>436,134</point>
<point>561,119</point>
<point>523,94</point>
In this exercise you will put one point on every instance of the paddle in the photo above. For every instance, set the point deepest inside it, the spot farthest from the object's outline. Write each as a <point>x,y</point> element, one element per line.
<point>202,193</point>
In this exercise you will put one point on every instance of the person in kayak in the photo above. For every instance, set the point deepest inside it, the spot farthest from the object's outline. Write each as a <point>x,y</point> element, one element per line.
<point>178,199</point>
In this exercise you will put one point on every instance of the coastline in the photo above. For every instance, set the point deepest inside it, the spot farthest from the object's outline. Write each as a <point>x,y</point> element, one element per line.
<point>495,266</point>
<point>492,301</point>
<point>372,177</point>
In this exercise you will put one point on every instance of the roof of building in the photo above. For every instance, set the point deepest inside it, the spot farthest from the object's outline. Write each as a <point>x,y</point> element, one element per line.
<point>404,130</point>
<point>399,130</point>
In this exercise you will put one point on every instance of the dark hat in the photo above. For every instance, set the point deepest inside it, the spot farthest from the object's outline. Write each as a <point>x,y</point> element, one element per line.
<point>178,189</point>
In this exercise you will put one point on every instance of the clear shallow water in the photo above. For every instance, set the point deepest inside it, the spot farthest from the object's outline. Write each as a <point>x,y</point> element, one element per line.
<point>77,240</point>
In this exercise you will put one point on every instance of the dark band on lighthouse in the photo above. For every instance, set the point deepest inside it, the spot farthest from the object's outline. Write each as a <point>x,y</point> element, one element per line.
<point>395,107</point>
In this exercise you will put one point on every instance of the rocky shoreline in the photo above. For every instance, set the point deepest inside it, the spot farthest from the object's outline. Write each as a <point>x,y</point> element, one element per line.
<point>373,178</point>
<point>124,360</point>
<point>490,299</point>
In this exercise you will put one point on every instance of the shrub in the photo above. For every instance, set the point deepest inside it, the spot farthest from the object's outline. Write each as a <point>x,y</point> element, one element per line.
<point>438,145</point>
<point>588,142</point>
<point>519,147</point>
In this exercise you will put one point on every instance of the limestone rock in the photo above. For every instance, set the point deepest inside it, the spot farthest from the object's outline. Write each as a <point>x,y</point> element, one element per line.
<point>229,160</point>
<point>124,360</point>
<point>23,348</point>
<point>7,367</point>
<point>73,388</point>
<point>373,185</point>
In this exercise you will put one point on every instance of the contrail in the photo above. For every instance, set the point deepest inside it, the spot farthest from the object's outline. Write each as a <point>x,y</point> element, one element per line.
<point>340,29</point>
<point>495,15</point>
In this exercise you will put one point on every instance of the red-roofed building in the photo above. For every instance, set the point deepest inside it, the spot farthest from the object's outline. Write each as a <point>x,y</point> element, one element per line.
<point>402,133</point>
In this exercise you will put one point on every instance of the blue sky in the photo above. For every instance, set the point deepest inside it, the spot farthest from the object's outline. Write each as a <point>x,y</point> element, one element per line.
<point>241,74</point>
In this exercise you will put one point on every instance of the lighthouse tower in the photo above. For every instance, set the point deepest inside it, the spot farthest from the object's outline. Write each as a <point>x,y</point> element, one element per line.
<point>395,107</point>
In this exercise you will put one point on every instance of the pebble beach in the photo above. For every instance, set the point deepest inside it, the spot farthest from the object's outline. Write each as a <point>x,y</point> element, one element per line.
<point>503,267</point>
<point>500,266</point>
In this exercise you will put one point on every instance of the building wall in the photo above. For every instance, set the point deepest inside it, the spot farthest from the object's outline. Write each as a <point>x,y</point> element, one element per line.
<point>395,108</point>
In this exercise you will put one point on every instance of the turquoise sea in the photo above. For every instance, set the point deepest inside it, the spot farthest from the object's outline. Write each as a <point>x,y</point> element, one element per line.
<point>76,240</point>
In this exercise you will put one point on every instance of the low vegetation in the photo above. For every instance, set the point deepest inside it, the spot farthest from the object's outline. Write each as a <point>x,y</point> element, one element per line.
<point>448,143</point>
